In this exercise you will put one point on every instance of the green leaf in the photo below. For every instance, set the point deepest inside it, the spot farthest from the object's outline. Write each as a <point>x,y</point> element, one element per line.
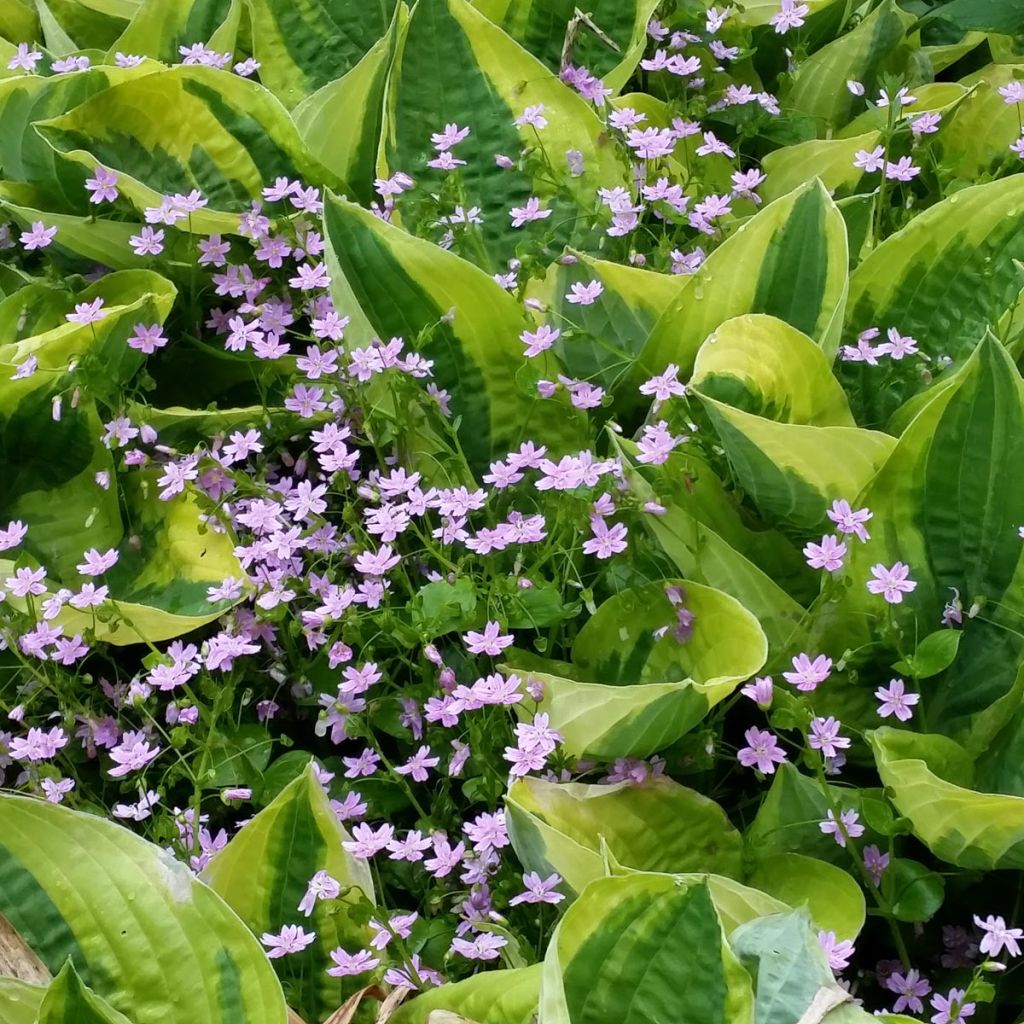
<point>443,607</point>
<point>342,121</point>
<point>160,27</point>
<point>788,261</point>
<point>985,15</point>
<point>656,826</point>
<point>541,27</point>
<point>929,779</point>
<point>90,23</point>
<point>456,66</point>
<point>303,45</point>
<point>946,277</point>
<point>69,1001</point>
<point>215,132</point>
<point>263,872</point>
<point>831,160</point>
<point>833,898</point>
<point>140,930</point>
<point>629,946</point>
<point>915,893</point>
<point>490,997</point>
<point>934,654</point>
<point>392,284</point>
<point>818,88</point>
<point>636,693</point>
<point>19,1001</point>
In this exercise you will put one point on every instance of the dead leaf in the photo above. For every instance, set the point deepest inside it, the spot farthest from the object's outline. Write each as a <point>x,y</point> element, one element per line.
<point>17,960</point>
<point>393,1001</point>
<point>347,1011</point>
<point>294,1018</point>
<point>447,1017</point>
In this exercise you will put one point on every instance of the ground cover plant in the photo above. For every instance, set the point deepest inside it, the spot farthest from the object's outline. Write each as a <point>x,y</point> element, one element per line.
<point>511,511</point>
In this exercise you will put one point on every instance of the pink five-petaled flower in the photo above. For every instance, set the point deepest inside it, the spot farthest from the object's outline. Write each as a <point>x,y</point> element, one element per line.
<point>147,338</point>
<point>25,59</point>
<point>538,890</point>
<point>291,939</point>
<point>96,563</point>
<point>761,691</point>
<point>898,345</point>
<point>875,863</point>
<point>321,887</point>
<point>39,237</point>
<point>87,312</point>
<point>490,641</point>
<point>838,953</point>
<point>539,340</point>
<point>896,701</point>
<point>762,751</point>
<point>807,674</point>
<point>847,827</point>
<point>910,987</point>
<point>870,161</point>
<point>132,754</point>
<point>824,736</point>
<point>998,936</point>
<point>829,554</point>
<point>664,385</point>
<point>484,947</point>
<point>849,520</point>
<point>451,136</point>
<point>951,1008</point>
<point>606,541</point>
<point>790,15</point>
<point>103,186</point>
<point>903,170</point>
<point>892,583</point>
<point>347,964</point>
<point>584,294</point>
<point>531,211</point>
<point>1012,92</point>
<point>419,765</point>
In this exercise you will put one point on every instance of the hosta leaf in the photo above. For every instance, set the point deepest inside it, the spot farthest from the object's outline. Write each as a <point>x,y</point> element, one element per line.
<point>541,28</point>
<point>91,23</point>
<point>940,97</point>
<point>788,261</point>
<point>987,15</point>
<point>19,1001</point>
<point>263,873</point>
<point>18,22</point>
<point>766,367</point>
<point>635,693</point>
<point>628,948</point>
<point>341,122</point>
<point>302,45</point>
<point>833,898</point>
<point>949,497</point>
<point>187,128</point>
<point>929,779</point>
<point>140,930</point>
<point>760,12</point>
<point>654,826</point>
<point>69,1001</point>
<point>943,279</point>
<point>161,27</point>
<point>490,997</point>
<point>818,88</point>
<point>456,66</point>
<point>392,284</point>
<point>606,335</point>
<point>831,160</point>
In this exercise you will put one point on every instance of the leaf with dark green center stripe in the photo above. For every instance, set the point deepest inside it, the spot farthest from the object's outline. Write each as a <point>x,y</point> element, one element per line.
<point>19,1001</point>
<point>92,23</point>
<point>541,25</point>
<point>637,687</point>
<point>950,497</point>
<point>392,284</point>
<point>161,27</point>
<point>341,122</point>
<point>456,66</point>
<point>657,825</point>
<point>215,132</point>
<point>140,930</point>
<point>69,1000</point>
<point>788,261</point>
<point>18,21</point>
<point>601,341</point>
<point>490,997</point>
<point>303,45</point>
<point>643,948</point>
<point>946,277</point>
<point>875,47</point>
<point>264,871</point>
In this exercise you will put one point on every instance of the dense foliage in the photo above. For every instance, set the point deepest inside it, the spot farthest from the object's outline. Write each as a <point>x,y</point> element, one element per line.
<point>512,510</point>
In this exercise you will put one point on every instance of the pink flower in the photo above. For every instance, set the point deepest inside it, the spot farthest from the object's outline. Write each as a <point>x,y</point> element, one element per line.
<point>807,674</point>
<point>952,1008</point>
<point>998,936</point>
<point>96,563</point>
<point>824,736</point>
<point>896,701</point>
<point>538,890</point>
<point>847,827</point>
<point>848,520</point>
<point>490,641</point>
<point>910,987</point>
<point>419,765</point>
<point>891,583</point>
<point>585,294</point>
<point>870,162</point>
<point>291,939</point>
<point>321,887</point>
<point>838,953</point>
<point>829,554</point>
<point>760,691</point>
<point>762,751</point>
<point>346,964</point>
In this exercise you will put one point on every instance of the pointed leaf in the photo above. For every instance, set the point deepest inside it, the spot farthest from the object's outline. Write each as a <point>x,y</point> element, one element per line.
<point>490,997</point>
<point>19,1001</point>
<point>831,160</point>
<point>160,27</point>
<point>69,1001</point>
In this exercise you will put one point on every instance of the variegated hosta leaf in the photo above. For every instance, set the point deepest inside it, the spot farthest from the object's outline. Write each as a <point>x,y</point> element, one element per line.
<point>638,686</point>
<point>876,46</point>
<point>948,503</point>
<point>600,341</point>
<point>946,277</point>
<point>68,1000</point>
<point>264,871</point>
<point>456,66</point>
<point>702,533</point>
<point>833,898</point>
<point>187,128</point>
<point>161,27</point>
<point>655,826</point>
<point>392,284</point>
<point>489,997</point>
<point>541,25</point>
<point>25,156</point>
<point>142,932</point>
<point>19,1001</point>
<point>18,21</point>
<point>303,45</point>
<point>958,824</point>
<point>938,97</point>
<point>91,24</point>
<point>760,12</point>
<point>831,160</point>
<point>341,122</point>
<point>788,261</point>
<point>643,947</point>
